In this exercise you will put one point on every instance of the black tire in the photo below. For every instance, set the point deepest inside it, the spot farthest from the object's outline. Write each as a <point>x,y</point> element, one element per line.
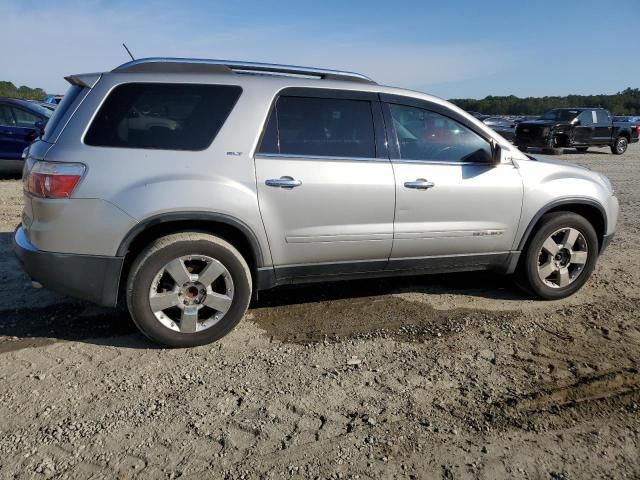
<point>582,149</point>
<point>619,145</point>
<point>527,274</point>
<point>162,251</point>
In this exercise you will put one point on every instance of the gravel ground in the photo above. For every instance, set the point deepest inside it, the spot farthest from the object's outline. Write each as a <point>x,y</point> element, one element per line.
<point>455,376</point>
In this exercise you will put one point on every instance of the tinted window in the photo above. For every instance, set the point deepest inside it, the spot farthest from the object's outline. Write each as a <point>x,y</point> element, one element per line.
<point>321,127</point>
<point>426,135</point>
<point>603,116</point>
<point>24,118</point>
<point>162,116</point>
<point>67,101</point>
<point>270,138</point>
<point>586,117</point>
<point>6,117</point>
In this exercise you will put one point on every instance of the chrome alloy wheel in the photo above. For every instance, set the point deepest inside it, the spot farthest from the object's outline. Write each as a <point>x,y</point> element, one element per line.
<point>562,257</point>
<point>191,293</point>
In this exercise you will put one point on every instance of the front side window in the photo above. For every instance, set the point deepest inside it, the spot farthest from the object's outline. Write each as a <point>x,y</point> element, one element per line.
<point>426,135</point>
<point>162,116</point>
<point>25,119</point>
<point>586,117</point>
<point>320,127</point>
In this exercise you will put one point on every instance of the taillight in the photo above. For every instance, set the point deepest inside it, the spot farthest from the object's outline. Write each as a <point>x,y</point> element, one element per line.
<point>52,179</point>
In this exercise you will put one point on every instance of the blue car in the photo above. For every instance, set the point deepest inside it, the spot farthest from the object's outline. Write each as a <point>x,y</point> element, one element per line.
<point>21,122</point>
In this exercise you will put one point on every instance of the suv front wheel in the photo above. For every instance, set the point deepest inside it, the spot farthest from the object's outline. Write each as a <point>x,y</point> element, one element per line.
<point>560,257</point>
<point>188,289</point>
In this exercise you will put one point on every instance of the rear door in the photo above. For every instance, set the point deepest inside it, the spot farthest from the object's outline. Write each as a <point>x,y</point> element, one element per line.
<point>602,128</point>
<point>452,204</point>
<point>325,183</point>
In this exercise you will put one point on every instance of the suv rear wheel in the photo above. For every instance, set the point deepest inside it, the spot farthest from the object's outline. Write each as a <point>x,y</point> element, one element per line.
<point>560,257</point>
<point>188,289</point>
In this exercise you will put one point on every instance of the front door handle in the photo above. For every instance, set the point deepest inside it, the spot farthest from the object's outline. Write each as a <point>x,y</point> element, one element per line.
<point>420,184</point>
<point>283,182</point>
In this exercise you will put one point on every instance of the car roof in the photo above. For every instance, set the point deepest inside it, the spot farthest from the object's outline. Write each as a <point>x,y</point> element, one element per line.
<point>271,78</point>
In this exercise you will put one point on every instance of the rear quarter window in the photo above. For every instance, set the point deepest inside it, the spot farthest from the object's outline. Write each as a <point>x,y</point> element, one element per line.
<point>69,99</point>
<point>162,116</point>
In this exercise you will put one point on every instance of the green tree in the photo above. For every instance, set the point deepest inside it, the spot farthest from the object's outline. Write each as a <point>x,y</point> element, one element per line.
<point>626,102</point>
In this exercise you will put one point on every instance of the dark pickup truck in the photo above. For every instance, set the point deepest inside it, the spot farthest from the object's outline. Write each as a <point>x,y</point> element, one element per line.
<point>578,128</point>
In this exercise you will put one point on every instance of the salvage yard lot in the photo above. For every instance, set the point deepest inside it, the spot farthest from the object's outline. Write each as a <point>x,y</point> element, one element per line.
<point>456,376</point>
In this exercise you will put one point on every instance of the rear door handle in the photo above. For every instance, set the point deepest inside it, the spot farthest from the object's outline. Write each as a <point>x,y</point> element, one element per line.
<point>283,182</point>
<point>420,184</point>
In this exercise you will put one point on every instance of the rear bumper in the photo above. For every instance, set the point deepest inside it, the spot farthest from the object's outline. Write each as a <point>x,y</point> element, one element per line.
<point>89,277</point>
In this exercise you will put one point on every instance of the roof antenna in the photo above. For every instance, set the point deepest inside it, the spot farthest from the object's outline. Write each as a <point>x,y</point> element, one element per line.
<point>128,51</point>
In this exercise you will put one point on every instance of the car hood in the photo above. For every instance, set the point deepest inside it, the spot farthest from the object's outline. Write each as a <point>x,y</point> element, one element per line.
<point>553,161</point>
<point>550,168</point>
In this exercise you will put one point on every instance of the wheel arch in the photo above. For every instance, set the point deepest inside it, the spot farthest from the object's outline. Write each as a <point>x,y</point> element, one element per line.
<point>236,232</point>
<point>626,133</point>
<point>590,209</point>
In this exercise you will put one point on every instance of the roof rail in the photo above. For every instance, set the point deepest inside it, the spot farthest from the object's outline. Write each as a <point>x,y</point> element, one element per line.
<point>190,65</point>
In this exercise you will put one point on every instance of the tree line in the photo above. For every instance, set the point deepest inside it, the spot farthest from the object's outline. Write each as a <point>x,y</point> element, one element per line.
<point>626,102</point>
<point>8,89</point>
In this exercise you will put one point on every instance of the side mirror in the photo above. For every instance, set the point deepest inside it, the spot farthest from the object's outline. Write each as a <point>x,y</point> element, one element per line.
<point>496,153</point>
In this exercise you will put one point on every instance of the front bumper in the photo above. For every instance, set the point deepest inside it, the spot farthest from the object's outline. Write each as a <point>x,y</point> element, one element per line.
<point>89,277</point>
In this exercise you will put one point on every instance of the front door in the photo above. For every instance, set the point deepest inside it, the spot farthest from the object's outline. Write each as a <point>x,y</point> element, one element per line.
<point>325,184</point>
<point>584,128</point>
<point>450,200</point>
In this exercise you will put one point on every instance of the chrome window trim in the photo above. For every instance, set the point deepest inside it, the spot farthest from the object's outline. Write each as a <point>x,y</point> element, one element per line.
<point>442,162</point>
<point>288,156</point>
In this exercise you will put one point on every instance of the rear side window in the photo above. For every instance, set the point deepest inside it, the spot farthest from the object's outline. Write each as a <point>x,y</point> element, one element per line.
<point>324,127</point>
<point>162,116</point>
<point>603,116</point>
<point>68,100</point>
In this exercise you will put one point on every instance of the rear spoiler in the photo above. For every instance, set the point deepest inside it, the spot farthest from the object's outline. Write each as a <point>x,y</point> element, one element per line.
<point>87,80</point>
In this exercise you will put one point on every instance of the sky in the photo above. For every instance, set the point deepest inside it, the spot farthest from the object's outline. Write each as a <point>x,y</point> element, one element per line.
<point>452,49</point>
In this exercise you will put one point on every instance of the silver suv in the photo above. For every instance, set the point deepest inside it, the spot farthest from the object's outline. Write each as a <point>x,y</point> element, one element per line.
<point>184,185</point>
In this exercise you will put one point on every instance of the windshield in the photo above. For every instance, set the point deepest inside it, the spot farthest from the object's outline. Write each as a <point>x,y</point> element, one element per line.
<point>560,114</point>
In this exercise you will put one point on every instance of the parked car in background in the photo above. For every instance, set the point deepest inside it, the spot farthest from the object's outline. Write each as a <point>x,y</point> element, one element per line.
<point>503,126</point>
<point>49,106</point>
<point>54,99</point>
<point>246,181</point>
<point>578,128</point>
<point>21,122</point>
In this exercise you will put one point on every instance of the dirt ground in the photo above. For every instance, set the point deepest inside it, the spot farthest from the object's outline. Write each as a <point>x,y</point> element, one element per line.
<point>456,376</point>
